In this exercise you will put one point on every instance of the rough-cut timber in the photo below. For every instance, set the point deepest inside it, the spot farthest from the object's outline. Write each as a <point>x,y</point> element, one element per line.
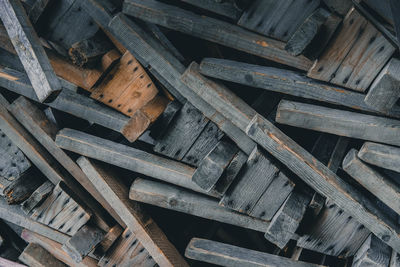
<point>213,30</point>
<point>380,155</point>
<point>228,255</point>
<point>27,45</point>
<point>373,252</point>
<point>339,122</point>
<point>385,90</point>
<point>339,6</point>
<point>37,197</point>
<point>296,158</point>
<point>35,255</point>
<point>224,8</point>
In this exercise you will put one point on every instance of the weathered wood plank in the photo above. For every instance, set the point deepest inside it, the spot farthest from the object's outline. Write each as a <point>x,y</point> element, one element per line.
<point>339,6</point>
<point>172,197</point>
<point>224,8</point>
<point>37,197</point>
<point>228,255</point>
<point>286,82</point>
<point>339,122</point>
<point>217,31</point>
<point>35,255</point>
<point>22,187</point>
<point>355,57</point>
<point>32,55</point>
<point>160,126</point>
<point>384,91</point>
<point>383,156</point>
<point>6,262</point>
<point>373,252</point>
<point>297,159</point>
<point>36,9</point>
<point>135,218</point>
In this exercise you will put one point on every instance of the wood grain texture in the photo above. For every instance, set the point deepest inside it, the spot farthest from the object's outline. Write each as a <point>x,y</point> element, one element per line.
<point>387,157</point>
<point>339,6</point>
<point>217,31</point>
<point>297,159</point>
<point>384,91</point>
<point>161,125</point>
<point>28,47</point>
<point>226,9</point>
<point>373,252</point>
<point>174,198</point>
<point>228,255</point>
<point>35,255</point>
<point>339,122</point>
<point>355,57</point>
<point>36,9</point>
<point>37,197</point>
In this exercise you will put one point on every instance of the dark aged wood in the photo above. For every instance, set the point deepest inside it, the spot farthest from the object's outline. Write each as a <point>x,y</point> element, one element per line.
<point>35,255</point>
<point>339,6</point>
<point>22,187</point>
<point>224,8</point>
<point>163,122</point>
<point>228,255</point>
<point>297,159</point>
<point>172,197</point>
<point>384,91</point>
<point>373,252</point>
<point>135,218</point>
<point>339,122</point>
<point>37,197</point>
<point>217,31</point>
<point>286,82</point>
<point>109,239</point>
<point>35,9</point>
<point>380,155</point>
<point>32,55</point>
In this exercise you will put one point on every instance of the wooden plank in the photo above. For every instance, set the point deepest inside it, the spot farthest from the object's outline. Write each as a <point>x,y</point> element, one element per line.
<point>217,31</point>
<point>22,187</point>
<point>213,165</point>
<point>383,156</point>
<point>35,255</point>
<point>341,7</point>
<point>297,159</point>
<point>226,9</point>
<point>109,239</point>
<point>9,263</point>
<point>55,249</point>
<point>135,218</point>
<point>182,133</point>
<point>36,9</point>
<point>37,197</point>
<point>384,91</point>
<point>355,57</point>
<point>382,8</point>
<point>286,82</point>
<point>172,197</point>
<point>228,255</point>
<point>29,50</point>
<point>382,187</point>
<point>339,122</point>
<point>277,19</point>
<point>287,219</point>
<point>373,252</point>
<point>163,122</point>
<point>83,242</point>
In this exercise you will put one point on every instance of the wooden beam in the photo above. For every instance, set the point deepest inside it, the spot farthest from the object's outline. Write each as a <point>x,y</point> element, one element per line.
<point>27,45</point>
<point>35,255</point>
<point>373,252</point>
<point>387,157</point>
<point>217,31</point>
<point>228,255</point>
<point>296,158</point>
<point>174,198</point>
<point>224,8</point>
<point>145,229</point>
<point>339,122</point>
<point>37,197</point>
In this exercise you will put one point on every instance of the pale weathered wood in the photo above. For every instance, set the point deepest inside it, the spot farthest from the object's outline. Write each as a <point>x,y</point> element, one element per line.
<point>339,122</point>
<point>356,55</point>
<point>109,239</point>
<point>217,31</point>
<point>232,256</point>
<point>385,90</point>
<point>6,262</point>
<point>37,197</point>
<point>297,159</point>
<point>172,197</point>
<point>32,55</point>
<point>36,256</point>
<point>277,19</point>
<point>135,218</point>
<point>383,156</point>
<point>373,252</point>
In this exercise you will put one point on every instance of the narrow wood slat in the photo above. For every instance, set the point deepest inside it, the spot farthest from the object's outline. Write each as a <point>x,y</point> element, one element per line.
<point>37,197</point>
<point>35,255</point>
<point>380,155</point>
<point>226,9</point>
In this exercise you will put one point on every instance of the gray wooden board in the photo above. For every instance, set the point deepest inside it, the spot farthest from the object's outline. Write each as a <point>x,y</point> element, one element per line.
<point>380,155</point>
<point>172,197</point>
<point>355,56</point>
<point>127,157</point>
<point>334,233</point>
<point>182,133</point>
<point>296,158</point>
<point>135,218</point>
<point>382,8</point>
<point>379,185</point>
<point>27,45</point>
<point>232,256</point>
<point>213,30</point>
<point>35,255</point>
<point>373,252</point>
<point>339,122</point>
<point>213,165</point>
<point>286,82</point>
<point>287,219</point>
<point>385,90</point>
<point>204,143</point>
<point>251,183</point>
<point>224,8</point>
<point>163,122</point>
<point>36,9</point>
<point>14,214</point>
<point>20,189</point>
<point>339,6</point>
<point>37,197</point>
<point>277,19</point>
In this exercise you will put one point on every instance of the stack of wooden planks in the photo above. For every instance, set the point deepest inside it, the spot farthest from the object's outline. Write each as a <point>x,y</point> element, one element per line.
<point>199,133</point>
